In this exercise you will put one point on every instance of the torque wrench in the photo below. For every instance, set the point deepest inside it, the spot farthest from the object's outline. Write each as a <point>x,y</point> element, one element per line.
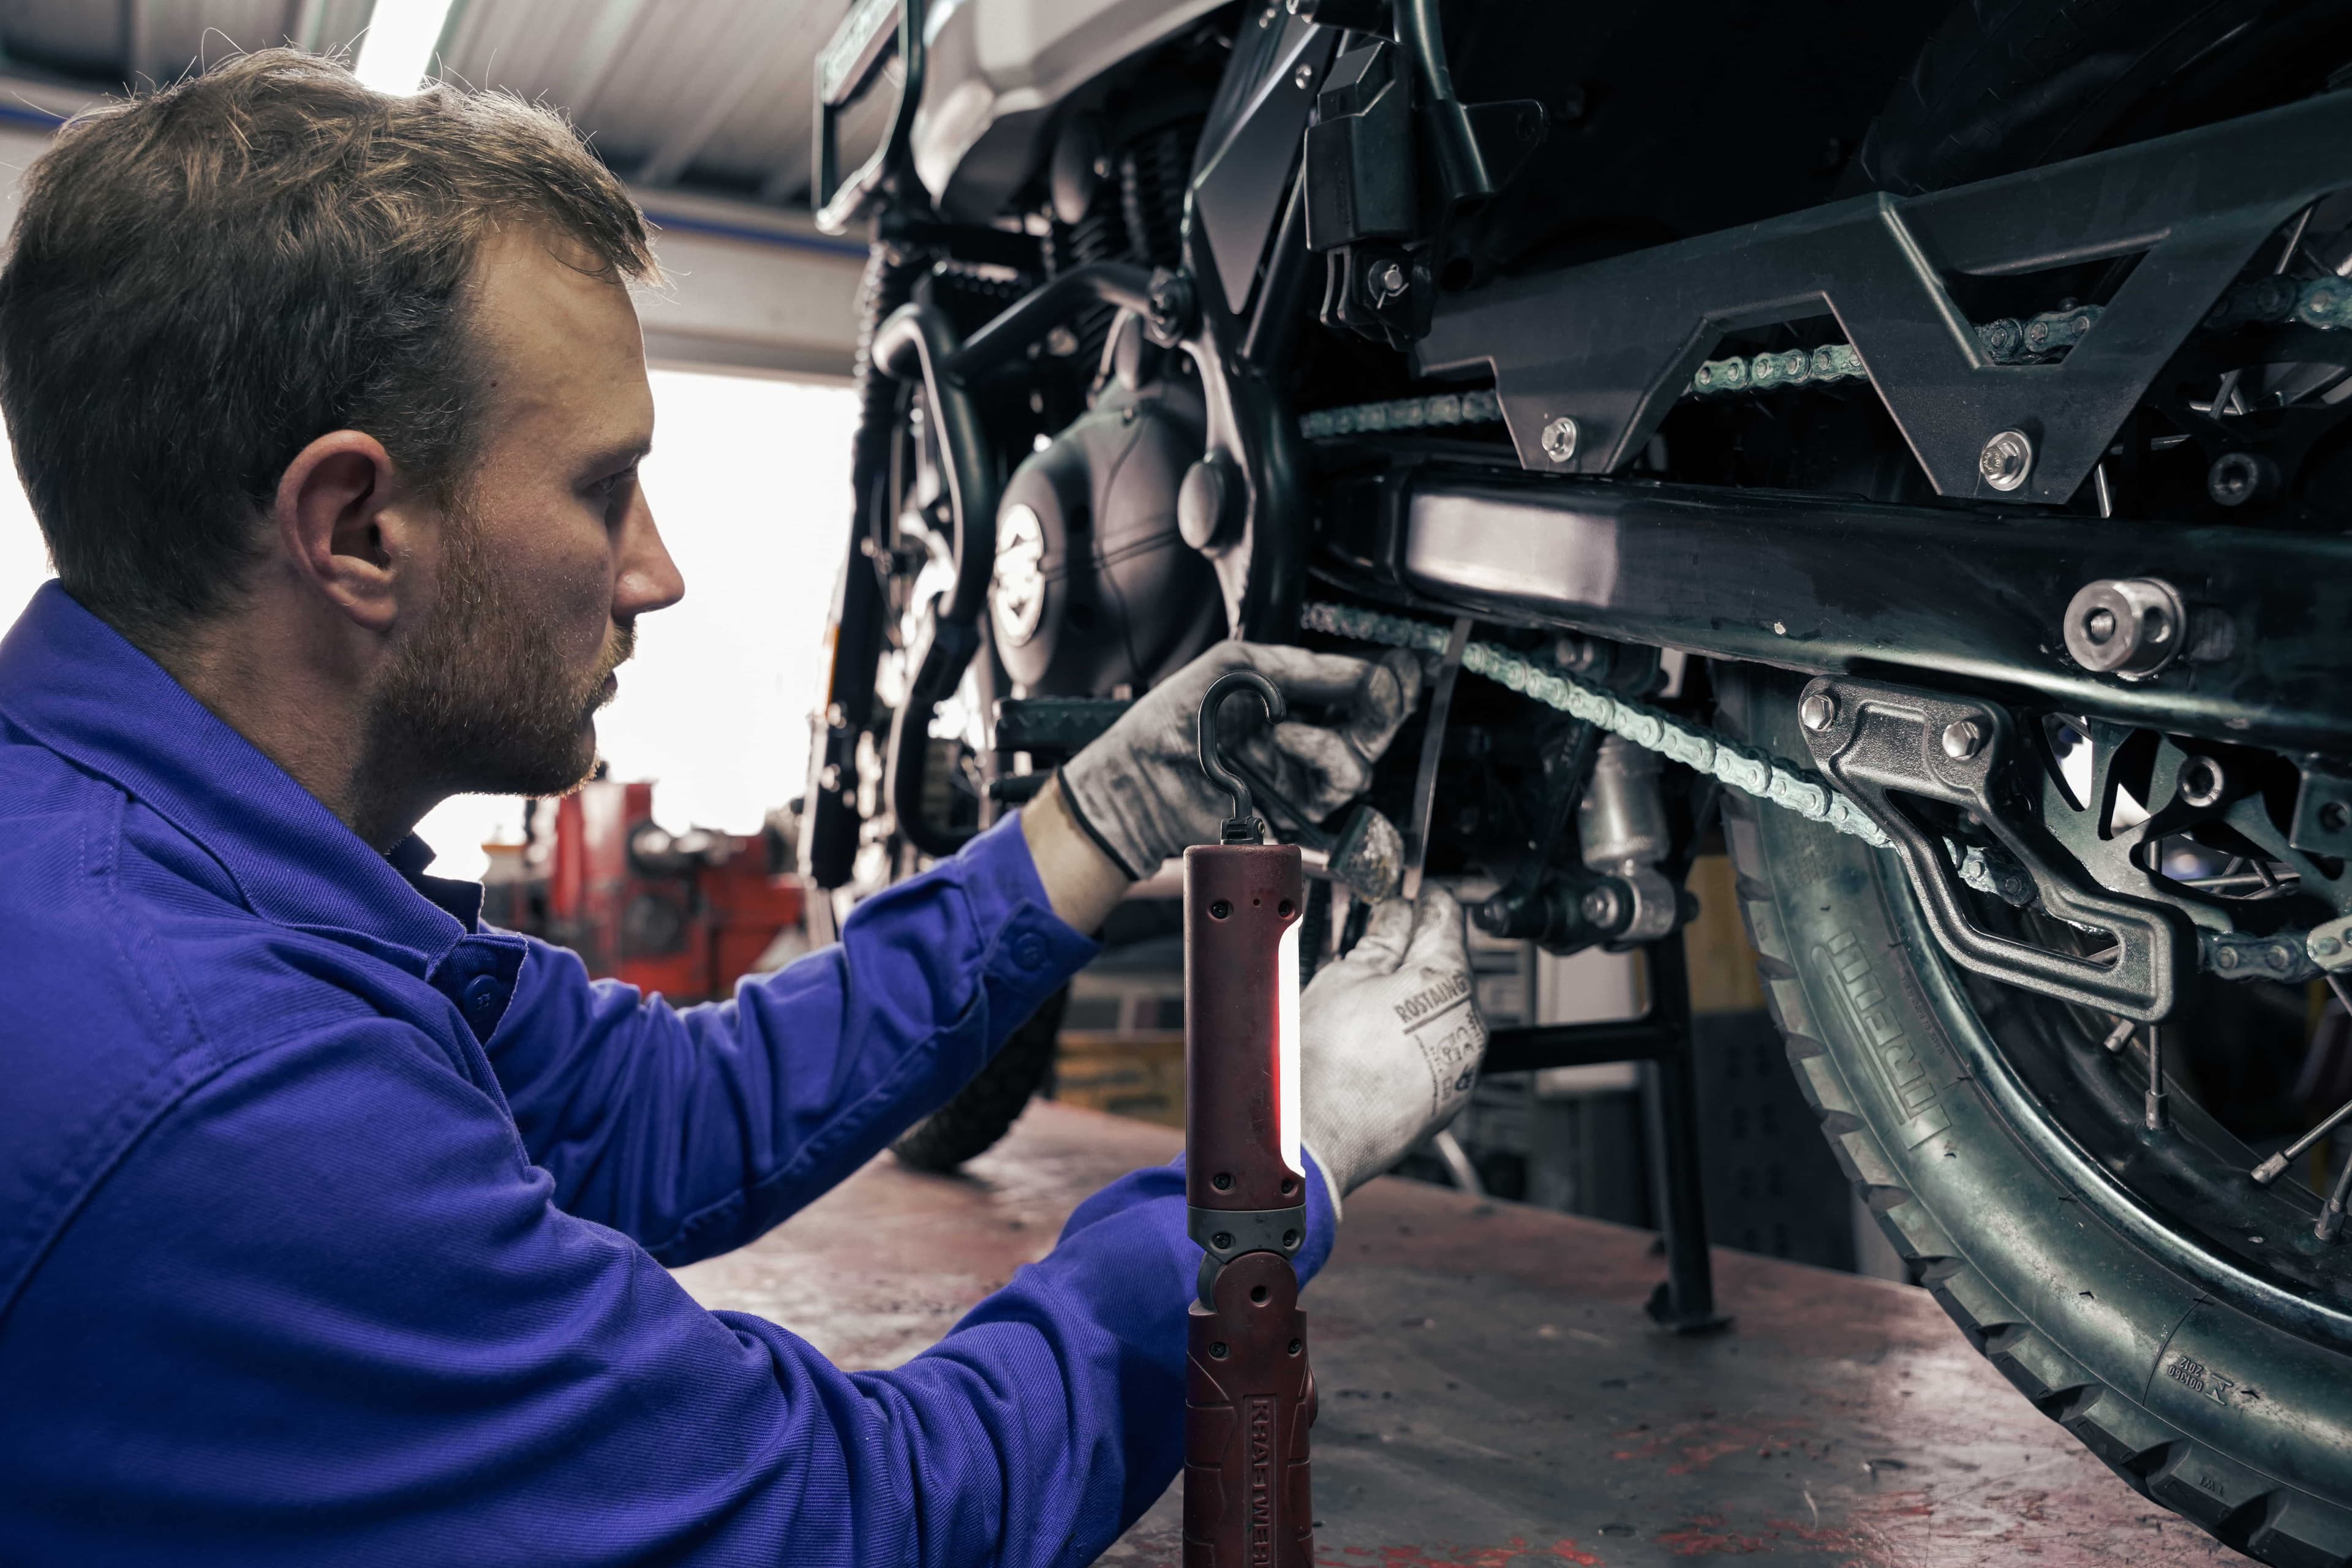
<point>1249,1396</point>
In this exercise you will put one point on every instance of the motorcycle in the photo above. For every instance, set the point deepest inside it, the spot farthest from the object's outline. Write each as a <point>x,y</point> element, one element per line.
<point>1962,396</point>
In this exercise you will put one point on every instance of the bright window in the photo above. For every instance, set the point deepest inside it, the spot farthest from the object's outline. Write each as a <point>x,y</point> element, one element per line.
<point>750,482</point>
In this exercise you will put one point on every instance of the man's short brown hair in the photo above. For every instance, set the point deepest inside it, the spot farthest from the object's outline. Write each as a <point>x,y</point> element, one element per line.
<point>206,279</point>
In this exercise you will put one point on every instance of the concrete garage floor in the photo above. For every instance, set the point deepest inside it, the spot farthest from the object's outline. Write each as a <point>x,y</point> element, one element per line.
<point>1492,1396</point>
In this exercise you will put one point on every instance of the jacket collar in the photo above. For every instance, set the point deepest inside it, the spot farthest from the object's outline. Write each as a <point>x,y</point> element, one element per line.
<point>74,685</point>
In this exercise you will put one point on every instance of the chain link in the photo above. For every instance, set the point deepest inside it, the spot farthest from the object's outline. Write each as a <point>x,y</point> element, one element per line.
<point>2322,302</point>
<point>1742,767</point>
<point>1404,414</point>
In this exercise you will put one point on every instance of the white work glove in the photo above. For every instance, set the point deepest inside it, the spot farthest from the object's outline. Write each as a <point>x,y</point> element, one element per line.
<point>1138,789</point>
<point>1389,1041</point>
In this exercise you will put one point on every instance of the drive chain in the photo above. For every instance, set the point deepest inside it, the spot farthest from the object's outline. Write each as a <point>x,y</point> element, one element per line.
<point>1742,767</point>
<point>2322,302</point>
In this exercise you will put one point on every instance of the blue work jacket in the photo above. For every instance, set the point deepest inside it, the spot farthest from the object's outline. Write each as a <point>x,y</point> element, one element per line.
<point>332,1223</point>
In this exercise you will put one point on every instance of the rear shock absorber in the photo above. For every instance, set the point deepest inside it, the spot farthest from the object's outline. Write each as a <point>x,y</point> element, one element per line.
<point>1249,1395</point>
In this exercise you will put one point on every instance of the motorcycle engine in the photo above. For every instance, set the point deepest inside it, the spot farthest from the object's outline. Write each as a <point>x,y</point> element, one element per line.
<point>1095,587</point>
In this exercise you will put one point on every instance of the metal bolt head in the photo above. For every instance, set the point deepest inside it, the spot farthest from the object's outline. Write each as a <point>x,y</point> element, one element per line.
<point>2131,626</point>
<point>2325,946</point>
<point>2006,460</point>
<point>2237,478</point>
<point>1388,279</point>
<point>1559,439</point>
<point>1303,78</point>
<point>1964,738</point>
<point>1818,711</point>
<point>1598,906</point>
<point>2202,780</point>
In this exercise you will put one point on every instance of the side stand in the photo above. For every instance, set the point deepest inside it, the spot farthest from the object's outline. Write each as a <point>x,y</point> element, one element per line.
<point>1661,1040</point>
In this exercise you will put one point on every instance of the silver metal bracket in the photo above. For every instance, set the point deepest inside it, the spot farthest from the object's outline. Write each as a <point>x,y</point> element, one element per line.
<point>1879,743</point>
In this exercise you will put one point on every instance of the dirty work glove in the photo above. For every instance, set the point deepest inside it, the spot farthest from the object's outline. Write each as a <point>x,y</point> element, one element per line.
<point>1389,1041</point>
<point>1139,790</point>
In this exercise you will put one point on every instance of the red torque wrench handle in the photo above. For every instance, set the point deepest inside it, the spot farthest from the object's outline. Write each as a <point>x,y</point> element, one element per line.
<point>1249,1394</point>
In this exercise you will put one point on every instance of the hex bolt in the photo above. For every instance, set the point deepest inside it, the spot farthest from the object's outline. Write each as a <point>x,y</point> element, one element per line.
<point>1559,439</point>
<point>2202,782</point>
<point>2006,460</point>
<point>2237,478</point>
<point>1818,711</point>
<point>1598,906</point>
<point>2130,626</point>
<point>1964,738</point>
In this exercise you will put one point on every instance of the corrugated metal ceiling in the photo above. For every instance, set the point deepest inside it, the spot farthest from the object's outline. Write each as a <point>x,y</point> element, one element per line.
<point>710,95</point>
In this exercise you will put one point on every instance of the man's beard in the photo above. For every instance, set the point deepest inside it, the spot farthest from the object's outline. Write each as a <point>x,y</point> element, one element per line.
<point>479,700</point>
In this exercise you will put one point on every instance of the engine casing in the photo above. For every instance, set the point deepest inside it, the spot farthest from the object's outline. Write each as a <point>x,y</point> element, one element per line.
<point>1095,587</point>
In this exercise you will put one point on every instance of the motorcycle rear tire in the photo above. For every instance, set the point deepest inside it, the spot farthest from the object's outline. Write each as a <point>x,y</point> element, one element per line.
<point>2231,1420</point>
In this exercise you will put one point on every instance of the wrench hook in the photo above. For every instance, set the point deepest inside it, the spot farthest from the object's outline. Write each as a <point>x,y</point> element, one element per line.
<point>1242,827</point>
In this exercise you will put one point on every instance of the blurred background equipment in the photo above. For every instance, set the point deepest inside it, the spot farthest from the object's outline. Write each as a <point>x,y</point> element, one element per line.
<point>685,914</point>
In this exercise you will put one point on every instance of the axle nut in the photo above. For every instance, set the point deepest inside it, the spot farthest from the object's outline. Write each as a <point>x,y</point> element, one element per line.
<point>1963,739</point>
<point>2006,460</point>
<point>2131,626</point>
<point>1818,711</point>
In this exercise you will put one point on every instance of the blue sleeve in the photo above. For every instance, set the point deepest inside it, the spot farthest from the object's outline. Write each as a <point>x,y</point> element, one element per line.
<point>326,1310</point>
<point>694,1130</point>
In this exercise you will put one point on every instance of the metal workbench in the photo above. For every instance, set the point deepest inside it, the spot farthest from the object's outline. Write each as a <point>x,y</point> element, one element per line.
<point>1494,1396</point>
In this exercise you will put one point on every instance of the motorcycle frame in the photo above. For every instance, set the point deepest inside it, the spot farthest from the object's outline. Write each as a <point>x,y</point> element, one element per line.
<point>1969,594</point>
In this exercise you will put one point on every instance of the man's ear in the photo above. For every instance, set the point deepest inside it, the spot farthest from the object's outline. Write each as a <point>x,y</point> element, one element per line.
<point>340,528</point>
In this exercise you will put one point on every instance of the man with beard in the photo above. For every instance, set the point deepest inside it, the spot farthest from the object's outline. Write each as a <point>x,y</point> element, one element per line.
<point>332,1221</point>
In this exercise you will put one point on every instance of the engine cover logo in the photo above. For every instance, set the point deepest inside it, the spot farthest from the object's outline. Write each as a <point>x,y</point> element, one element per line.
<point>1018,595</point>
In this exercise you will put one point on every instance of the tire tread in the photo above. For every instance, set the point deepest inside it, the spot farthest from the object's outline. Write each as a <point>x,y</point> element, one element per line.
<point>2265,1519</point>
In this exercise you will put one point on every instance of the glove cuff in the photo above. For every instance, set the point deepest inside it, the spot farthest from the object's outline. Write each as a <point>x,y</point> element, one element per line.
<point>1317,1163</point>
<point>1086,824</point>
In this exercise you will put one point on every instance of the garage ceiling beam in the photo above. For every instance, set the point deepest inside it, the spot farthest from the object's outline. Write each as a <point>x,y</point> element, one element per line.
<point>676,153</point>
<point>601,47</point>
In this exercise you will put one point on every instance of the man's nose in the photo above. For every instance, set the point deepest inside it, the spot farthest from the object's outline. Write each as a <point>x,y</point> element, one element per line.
<point>648,578</point>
